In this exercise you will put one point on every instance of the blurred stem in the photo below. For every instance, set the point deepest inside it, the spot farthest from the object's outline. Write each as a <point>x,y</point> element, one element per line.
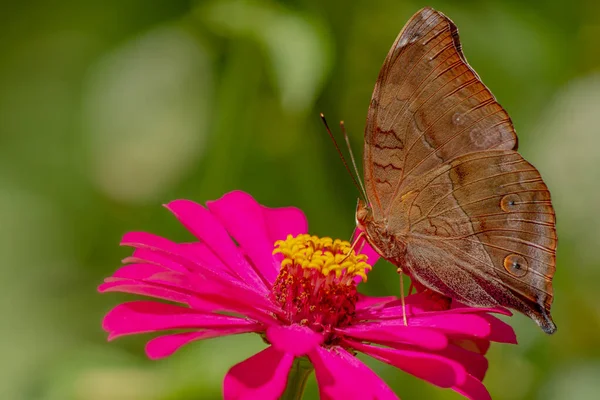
<point>232,135</point>
<point>301,370</point>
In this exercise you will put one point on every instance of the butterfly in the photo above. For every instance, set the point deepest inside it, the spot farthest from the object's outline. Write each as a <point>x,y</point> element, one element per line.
<point>449,200</point>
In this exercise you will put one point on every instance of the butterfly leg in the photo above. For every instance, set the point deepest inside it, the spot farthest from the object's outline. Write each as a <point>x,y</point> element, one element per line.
<point>354,244</point>
<point>399,270</point>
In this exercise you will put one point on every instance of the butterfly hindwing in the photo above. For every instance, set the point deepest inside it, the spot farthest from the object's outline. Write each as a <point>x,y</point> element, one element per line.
<point>483,225</point>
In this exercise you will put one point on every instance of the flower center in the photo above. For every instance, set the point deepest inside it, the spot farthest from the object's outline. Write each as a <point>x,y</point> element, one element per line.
<point>316,286</point>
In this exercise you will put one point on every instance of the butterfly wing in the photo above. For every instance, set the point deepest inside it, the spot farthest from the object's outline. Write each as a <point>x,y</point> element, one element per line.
<point>482,230</point>
<point>443,177</point>
<point>428,107</point>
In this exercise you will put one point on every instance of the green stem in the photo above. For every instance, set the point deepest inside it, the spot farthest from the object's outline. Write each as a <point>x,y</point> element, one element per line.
<point>301,370</point>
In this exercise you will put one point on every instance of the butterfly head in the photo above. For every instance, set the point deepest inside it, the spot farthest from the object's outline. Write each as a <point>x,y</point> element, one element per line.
<point>364,214</point>
<point>383,240</point>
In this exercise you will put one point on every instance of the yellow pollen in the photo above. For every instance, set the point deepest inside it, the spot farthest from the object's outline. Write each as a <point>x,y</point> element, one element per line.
<point>323,254</point>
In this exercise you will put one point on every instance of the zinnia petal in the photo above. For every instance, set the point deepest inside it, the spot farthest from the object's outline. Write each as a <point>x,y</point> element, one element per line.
<point>417,304</point>
<point>294,339</point>
<point>459,324</point>
<point>284,221</point>
<point>244,219</point>
<point>474,363</point>
<point>199,293</point>
<point>245,301</point>
<point>473,389</point>
<point>425,338</point>
<point>204,256</point>
<point>144,242</point>
<point>152,249</point>
<point>430,367</point>
<point>149,316</point>
<point>501,332</point>
<point>205,226</point>
<point>137,287</point>
<point>368,302</point>
<point>164,346</point>
<point>262,376</point>
<point>341,375</point>
<point>224,284</point>
<point>138,271</point>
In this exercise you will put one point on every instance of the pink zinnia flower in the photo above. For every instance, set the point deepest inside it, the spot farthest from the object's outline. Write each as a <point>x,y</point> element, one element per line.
<point>254,269</point>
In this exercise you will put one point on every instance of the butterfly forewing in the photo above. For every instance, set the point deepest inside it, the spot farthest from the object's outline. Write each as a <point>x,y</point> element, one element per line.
<point>474,219</point>
<point>428,107</point>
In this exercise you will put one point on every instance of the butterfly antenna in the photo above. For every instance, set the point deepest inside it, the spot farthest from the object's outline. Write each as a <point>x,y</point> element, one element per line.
<point>358,186</point>
<point>362,186</point>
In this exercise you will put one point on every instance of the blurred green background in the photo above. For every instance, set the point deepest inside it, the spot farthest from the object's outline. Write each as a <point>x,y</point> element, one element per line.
<point>110,108</point>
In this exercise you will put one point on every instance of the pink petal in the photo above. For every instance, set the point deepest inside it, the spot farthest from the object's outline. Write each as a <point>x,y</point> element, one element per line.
<point>501,331</point>
<point>210,297</point>
<point>148,241</point>
<point>156,281</point>
<point>181,258</point>
<point>262,376</point>
<point>213,306</point>
<point>164,346</point>
<point>341,375</point>
<point>138,271</point>
<point>170,279</point>
<point>185,260</point>
<point>425,338</point>
<point>203,224</point>
<point>244,219</point>
<point>371,302</point>
<point>430,367</point>
<point>218,304</point>
<point>235,298</point>
<point>475,363</point>
<point>454,324</point>
<point>148,316</point>
<point>415,305</point>
<point>146,256</point>
<point>426,302</point>
<point>136,287</point>
<point>281,222</point>
<point>293,339</point>
<point>203,255</point>
<point>223,283</point>
<point>473,389</point>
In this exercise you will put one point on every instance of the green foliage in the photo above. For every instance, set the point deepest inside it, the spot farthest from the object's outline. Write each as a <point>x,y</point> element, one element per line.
<point>109,109</point>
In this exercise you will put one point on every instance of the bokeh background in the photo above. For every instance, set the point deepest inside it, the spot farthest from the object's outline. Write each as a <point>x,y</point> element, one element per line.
<point>110,108</point>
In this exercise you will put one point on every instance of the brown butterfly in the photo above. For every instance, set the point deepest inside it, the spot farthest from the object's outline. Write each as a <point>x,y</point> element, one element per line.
<point>450,201</point>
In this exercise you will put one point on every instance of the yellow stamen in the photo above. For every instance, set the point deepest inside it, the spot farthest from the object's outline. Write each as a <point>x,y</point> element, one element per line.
<point>322,254</point>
